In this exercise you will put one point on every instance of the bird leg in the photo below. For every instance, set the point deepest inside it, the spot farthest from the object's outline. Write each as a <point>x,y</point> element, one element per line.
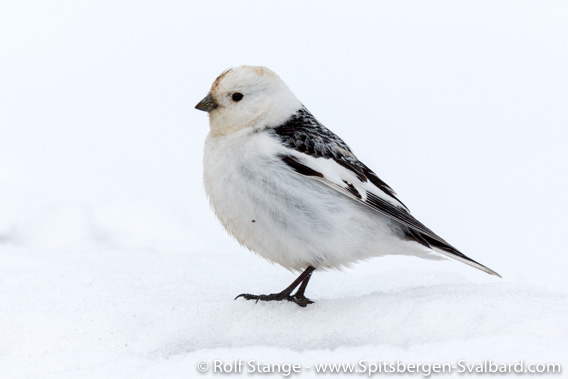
<point>299,297</point>
<point>286,294</point>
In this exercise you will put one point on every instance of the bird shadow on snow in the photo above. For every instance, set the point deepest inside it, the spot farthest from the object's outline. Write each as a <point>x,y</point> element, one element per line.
<point>400,319</point>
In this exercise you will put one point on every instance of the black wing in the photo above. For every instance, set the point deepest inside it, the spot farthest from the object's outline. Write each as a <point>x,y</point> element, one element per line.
<point>302,133</point>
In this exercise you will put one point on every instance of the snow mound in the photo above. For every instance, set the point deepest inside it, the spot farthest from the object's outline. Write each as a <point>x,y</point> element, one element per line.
<point>140,313</point>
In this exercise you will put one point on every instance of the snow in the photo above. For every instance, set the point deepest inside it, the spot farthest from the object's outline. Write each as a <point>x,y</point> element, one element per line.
<point>148,313</point>
<point>112,265</point>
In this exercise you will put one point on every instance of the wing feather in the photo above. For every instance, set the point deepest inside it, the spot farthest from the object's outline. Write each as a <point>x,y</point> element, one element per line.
<point>310,149</point>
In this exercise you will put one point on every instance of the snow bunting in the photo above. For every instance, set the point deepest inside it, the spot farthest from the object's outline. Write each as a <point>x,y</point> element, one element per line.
<point>292,191</point>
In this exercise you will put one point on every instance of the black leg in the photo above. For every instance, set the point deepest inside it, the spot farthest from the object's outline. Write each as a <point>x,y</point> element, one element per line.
<point>298,298</point>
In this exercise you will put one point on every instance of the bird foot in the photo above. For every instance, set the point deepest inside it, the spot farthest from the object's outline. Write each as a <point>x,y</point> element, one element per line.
<point>301,300</point>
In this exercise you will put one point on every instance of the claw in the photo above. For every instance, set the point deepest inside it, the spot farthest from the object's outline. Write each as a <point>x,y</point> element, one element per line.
<point>301,300</point>
<point>286,294</point>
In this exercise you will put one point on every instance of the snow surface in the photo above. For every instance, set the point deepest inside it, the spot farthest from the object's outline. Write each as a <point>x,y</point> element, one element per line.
<point>112,265</point>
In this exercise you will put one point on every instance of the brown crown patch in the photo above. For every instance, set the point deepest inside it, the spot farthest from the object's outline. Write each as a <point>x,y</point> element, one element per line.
<point>259,70</point>
<point>218,80</point>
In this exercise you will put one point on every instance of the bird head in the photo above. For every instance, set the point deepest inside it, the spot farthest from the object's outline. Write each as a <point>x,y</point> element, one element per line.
<point>248,97</point>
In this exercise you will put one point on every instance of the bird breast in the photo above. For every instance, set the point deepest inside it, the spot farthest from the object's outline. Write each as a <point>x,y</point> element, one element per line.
<point>283,216</point>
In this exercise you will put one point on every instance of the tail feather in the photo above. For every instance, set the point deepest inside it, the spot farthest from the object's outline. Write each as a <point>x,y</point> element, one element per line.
<point>452,252</point>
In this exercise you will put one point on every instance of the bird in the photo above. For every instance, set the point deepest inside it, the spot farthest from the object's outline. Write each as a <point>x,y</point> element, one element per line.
<point>290,190</point>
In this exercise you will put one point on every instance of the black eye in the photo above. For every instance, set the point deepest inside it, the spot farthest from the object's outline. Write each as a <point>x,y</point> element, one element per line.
<point>237,96</point>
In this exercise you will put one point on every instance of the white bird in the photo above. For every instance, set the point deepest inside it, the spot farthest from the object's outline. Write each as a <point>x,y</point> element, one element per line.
<point>292,191</point>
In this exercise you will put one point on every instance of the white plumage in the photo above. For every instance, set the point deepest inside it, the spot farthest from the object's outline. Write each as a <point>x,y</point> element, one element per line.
<point>287,218</point>
<point>293,192</point>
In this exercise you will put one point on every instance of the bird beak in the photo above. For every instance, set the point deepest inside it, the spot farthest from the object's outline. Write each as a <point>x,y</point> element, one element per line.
<point>207,104</point>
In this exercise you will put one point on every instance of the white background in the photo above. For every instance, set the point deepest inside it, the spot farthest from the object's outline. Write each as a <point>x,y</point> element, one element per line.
<point>112,264</point>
